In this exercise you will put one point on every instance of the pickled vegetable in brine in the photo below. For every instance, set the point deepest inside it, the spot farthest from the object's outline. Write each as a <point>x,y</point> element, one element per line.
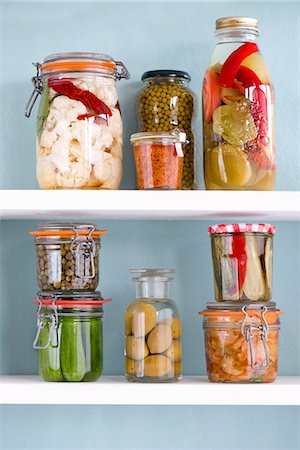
<point>238,118</point>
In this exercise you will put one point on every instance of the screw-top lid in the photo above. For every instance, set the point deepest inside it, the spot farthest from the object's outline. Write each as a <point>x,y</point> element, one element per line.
<point>166,73</point>
<point>241,228</point>
<point>237,22</point>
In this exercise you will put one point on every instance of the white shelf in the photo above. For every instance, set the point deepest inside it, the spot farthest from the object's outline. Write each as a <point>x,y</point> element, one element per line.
<point>115,390</point>
<point>150,205</point>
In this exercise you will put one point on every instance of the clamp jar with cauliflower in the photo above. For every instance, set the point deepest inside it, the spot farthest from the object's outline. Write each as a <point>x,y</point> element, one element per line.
<point>79,124</point>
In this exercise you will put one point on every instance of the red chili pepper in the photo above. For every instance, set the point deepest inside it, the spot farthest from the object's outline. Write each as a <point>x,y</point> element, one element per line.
<point>239,253</point>
<point>233,63</point>
<point>97,120</point>
<point>247,77</point>
<point>67,88</point>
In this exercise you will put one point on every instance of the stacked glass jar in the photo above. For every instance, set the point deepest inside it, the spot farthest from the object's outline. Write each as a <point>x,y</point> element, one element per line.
<point>70,310</point>
<point>152,329</point>
<point>242,329</point>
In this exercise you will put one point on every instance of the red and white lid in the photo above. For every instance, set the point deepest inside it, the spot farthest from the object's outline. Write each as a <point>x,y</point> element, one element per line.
<point>241,228</point>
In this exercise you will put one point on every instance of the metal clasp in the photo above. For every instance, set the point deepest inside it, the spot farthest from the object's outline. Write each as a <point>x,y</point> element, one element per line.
<point>247,332</point>
<point>124,71</point>
<point>43,320</point>
<point>84,252</point>
<point>38,88</point>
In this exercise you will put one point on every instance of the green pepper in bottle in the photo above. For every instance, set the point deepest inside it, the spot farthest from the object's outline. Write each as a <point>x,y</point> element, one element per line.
<point>72,355</point>
<point>49,360</point>
<point>94,360</point>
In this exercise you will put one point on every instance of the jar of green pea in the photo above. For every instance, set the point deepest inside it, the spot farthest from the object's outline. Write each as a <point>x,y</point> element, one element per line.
<point>167,102</point>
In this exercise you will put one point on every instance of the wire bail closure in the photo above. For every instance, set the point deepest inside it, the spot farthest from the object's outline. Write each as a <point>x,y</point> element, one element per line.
<point>84,252</point>
<point>43,320</point>
<point>247,332</point>
<point>124,73</point>
<point>38,88</point>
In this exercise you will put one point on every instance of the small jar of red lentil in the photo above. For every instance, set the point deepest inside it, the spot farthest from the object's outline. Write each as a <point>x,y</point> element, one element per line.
<point>159,159</point>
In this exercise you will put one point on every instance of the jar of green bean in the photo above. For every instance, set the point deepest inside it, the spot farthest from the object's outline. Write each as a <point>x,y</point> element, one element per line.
<point>167,102</point>
<point>69,335</point>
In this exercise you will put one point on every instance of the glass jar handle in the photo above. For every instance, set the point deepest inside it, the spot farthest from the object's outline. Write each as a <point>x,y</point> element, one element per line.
<point>124,71</point>
<point>38,88</point>
<point>247,332</point>
<point>84,253</point>
<point>53,316</point>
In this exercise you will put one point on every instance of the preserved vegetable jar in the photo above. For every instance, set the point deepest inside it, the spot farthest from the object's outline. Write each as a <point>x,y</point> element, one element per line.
<point>241,342</point>
<point>159,159</point>
<point>242,255</point>
<point>69,336</point>
<point>67,256</point>
<point>238,111</point>
<point>79,124</point>
<point>166,102</point>
<point>152,330</point>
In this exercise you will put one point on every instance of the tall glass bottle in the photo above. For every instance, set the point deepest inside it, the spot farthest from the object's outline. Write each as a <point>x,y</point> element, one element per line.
<point>238,111</point>
<point>152,329</point>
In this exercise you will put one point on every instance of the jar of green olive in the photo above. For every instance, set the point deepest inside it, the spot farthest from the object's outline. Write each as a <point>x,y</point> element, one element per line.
<point>167,102</point>
<point>67,256</point>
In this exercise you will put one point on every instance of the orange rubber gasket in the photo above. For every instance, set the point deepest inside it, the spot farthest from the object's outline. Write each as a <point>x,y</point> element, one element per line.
<point>73,303</point>
<point>271,316</point>
<point>66,233</point>
<point>58,66</point>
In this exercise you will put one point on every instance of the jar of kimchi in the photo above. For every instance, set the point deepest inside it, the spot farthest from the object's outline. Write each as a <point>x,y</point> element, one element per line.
<point>79,124</point>
<point>241,342</point>
<point>238,111</point>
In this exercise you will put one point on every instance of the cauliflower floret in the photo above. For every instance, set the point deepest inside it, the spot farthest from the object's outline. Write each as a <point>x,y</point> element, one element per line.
<point>60,154</point>
<point>102,138</point>
<point>109,172</point>
<point>116,150</point>
<point>48,138</point>
<point>46,173</point>
<point>76,176</point>
<point>115,123</point>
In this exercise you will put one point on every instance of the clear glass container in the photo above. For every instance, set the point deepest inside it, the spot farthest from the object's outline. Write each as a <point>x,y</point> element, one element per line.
<point>238,111</point>
<point>69,336</point>
<point>152,330</point>
<point>241,342</point>
<point>79,124</point>
<point>67,256</point>
<point>242,256</point>
<point>167,102</point>
<point>159,159</point>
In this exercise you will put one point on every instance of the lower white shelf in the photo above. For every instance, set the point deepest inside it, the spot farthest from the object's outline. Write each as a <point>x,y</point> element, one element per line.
<point>115,390</point>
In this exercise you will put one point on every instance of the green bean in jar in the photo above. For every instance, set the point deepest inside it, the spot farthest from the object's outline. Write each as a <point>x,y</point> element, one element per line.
<point>67,256</point>
<point>166,103</point>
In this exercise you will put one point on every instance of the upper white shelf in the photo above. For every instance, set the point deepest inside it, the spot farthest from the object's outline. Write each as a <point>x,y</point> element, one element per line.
<point>150,205</point>
<point>115,390</point>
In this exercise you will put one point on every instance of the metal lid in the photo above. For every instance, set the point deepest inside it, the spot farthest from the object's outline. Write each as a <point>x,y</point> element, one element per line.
<point>166,73</point>
<point>67,229</point>
<point>237,22</point>
<point>241,228</point>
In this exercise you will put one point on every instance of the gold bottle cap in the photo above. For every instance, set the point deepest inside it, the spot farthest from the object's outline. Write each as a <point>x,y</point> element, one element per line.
<point>237,22</point>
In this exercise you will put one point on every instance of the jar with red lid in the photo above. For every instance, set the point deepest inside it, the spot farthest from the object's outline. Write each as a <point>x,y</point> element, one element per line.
<point>241,342</point>
<point>159,159</point>
<point>242,256</point>
<point>69,335</point>
<point>67,256</point>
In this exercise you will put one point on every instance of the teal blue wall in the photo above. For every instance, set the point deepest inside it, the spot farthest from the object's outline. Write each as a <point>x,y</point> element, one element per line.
<point>144,36</point>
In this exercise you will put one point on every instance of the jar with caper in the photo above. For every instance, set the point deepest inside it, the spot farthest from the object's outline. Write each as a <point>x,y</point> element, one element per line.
<point>67,256</point>
<point>167,102</point>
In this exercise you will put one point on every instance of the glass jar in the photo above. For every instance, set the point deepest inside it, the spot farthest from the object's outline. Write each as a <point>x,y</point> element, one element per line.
<point>69,336</point>
<point>167,102</point>
<point>159,159</point>
<point>67,256</point>
<point>242,256</point>
<point>241,342</point>
<point>238,111</point>
<point>152,330</point>
<point>79,124</point>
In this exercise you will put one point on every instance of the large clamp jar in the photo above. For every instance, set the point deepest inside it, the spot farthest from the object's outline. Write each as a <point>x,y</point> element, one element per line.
<point>67,256</point>
<point>167,102</point>
<point>241,342</point>
<point>238,111</point>
<point>152,329</point>
<point>79,124</point>
<point>69,335</point>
